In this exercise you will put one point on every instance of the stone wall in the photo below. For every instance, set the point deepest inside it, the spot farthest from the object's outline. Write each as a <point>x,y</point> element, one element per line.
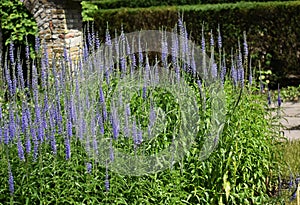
<point>59,23</point>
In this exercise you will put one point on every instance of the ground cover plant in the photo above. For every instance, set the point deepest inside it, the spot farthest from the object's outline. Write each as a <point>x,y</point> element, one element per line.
<point>61,133</point>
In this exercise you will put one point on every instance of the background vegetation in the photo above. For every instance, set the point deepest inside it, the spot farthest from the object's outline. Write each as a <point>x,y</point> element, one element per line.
<point>272,29</point>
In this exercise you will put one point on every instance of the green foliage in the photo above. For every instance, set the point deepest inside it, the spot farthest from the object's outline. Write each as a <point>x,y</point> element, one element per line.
<point>272,28</point>
<point>290,93</point>
<point>16,21</point>
<point>292,164</point>
<point>242,170</point>
<point>114,4</point>
<point>88,10</point>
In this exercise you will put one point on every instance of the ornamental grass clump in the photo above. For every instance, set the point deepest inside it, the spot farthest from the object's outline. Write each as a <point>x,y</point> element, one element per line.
<point>62,129</point>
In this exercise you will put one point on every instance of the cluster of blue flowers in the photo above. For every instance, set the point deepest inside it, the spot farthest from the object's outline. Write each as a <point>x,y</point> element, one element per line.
<point>53,105</point>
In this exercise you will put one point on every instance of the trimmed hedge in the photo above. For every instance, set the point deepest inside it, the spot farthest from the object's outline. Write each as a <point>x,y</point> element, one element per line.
<point>113,4</point>
<point>272,28</point>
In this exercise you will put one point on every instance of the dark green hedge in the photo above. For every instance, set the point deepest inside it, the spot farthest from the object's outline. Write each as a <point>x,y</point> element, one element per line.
<point>112,4</point>
<point>272,28</point>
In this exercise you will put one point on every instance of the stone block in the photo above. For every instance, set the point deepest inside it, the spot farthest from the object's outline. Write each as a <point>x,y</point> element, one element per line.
<point>61,16</point>
<point>69,35</point>
<point>55,36</point>
<point>45,25</point>
<point>48,11</point>
<point>47,37</point>
<point>58,11</point>
<point>74,49</point>
<point>76,41</point>
<point>43,15</point>
<point>58,50</point>
<point>43,32</point>
<point>38,12</point>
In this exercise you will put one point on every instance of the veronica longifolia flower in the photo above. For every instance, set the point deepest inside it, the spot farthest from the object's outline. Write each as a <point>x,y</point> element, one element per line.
<point>20,149</point>
<point>212,42</point>
<point>8,80</point>
<point>269,98</point>
<point>245,45</point>
<point>115,122</point>
<point>219,38</point>
<point>27,51</point>
<point>68,148</point>
<point>20,75</point>
<point>106,180</point>
<point>37,44</point>
<point>12,125</point>
<point>10,180</point>
<point>11,52</point>
<point>279,98</point>
<point>89,167</point>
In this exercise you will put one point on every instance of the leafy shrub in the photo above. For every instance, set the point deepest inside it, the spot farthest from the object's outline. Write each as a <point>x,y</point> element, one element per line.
<point>16,22</point>
<point>272,28</point>
<point>115,4</point>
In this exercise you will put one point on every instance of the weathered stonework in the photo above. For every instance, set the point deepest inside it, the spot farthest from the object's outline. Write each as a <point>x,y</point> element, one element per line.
<point>59,23</point>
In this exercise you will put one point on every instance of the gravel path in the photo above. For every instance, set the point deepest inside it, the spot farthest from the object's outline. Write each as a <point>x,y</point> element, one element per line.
<point>291,120</point>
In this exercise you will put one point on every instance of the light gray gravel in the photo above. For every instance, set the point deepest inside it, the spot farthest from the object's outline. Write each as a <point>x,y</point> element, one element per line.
<point>291,120</point>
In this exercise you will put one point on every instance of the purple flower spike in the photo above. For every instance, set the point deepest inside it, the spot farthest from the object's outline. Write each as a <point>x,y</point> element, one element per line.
<point>246,51</point>
<point>269,98</point>
<point>37,44</point>
<point>35,143</point>
<point>164,47</point>
<point>6,136</point>
<point>279,98</point>
<point>140,137</point>
<point>68,148</point>
<point>101,95</point>
<point>97,41</point>
<point>223,71</point>
<point>10,180</point>
<point>11,52</point>
<point>89,168</point>
<point>21,150</point>
<point>134,131</point>
<point>144,95</point>
<point>69,128</point>
<point>115,123</point>
<point>100,124</point>
<point>212,43</point>
<point>250,74</point>
<point>107,38</point>
<point>46,56</point>
<point>219,38</point>
<point>66,54</point>
<point>234,73</point>
<point>140,53</point>
<point>8,80</point>
<point>20,75</point>
<point>203,48</point>
<point>27,51</point>
<point>106,180</point>
<point>214,70</point>
<point>12,125</point>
